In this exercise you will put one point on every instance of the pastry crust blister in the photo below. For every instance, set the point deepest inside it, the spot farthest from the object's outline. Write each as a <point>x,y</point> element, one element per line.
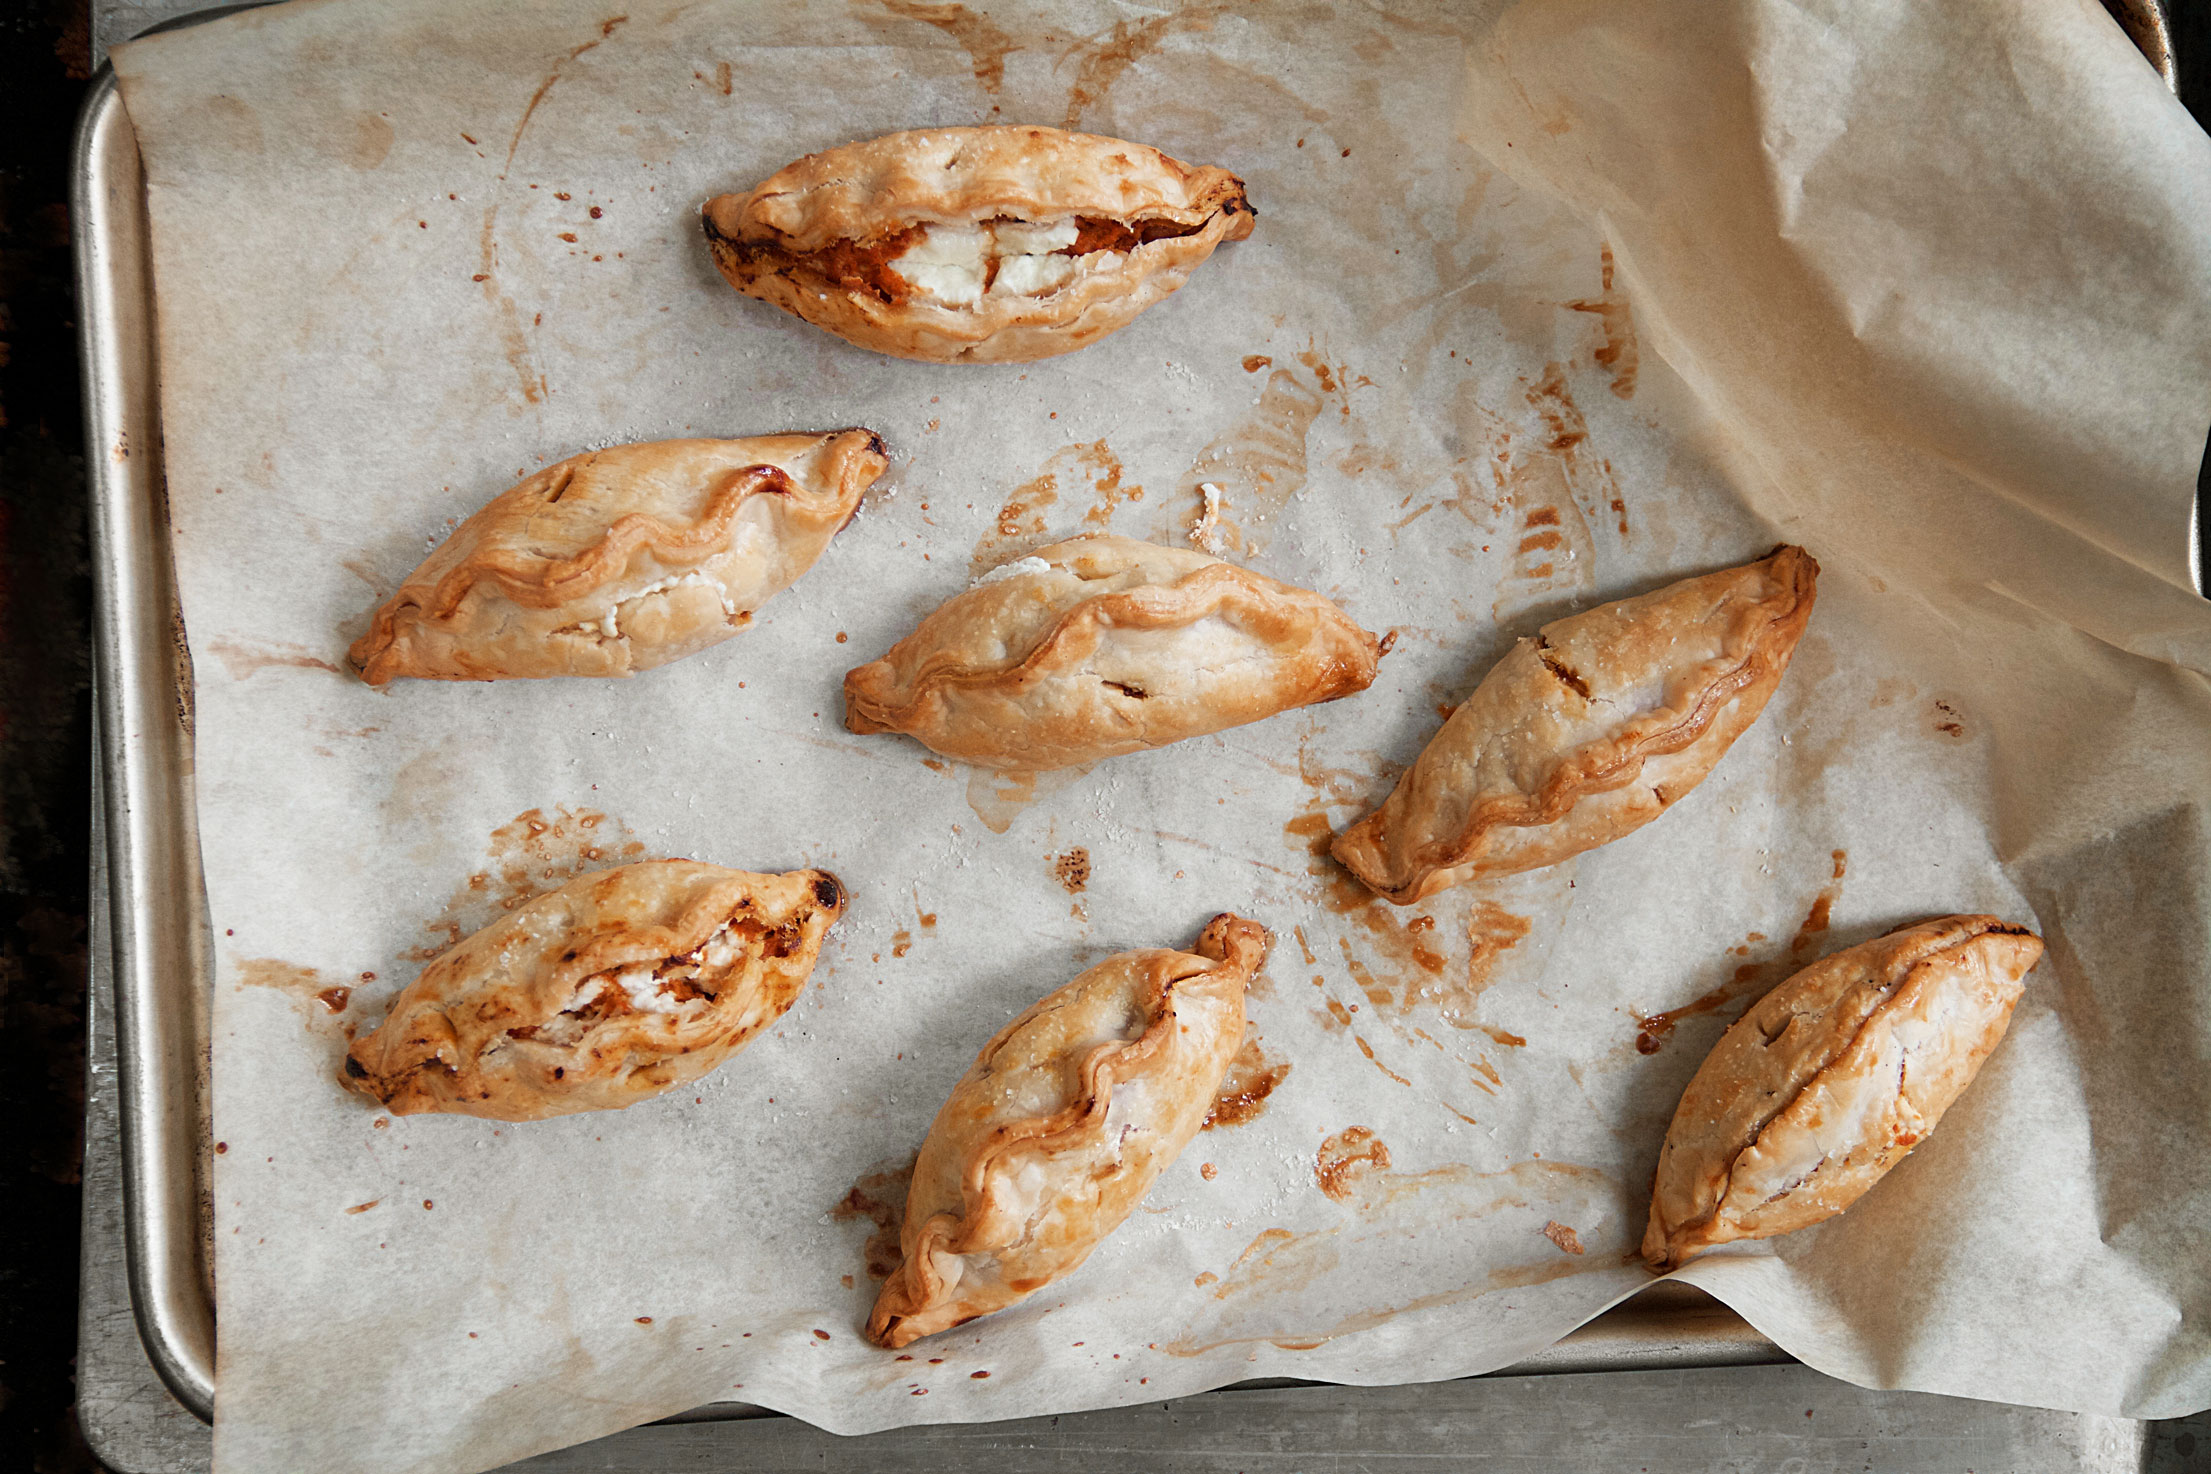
<point>1829,1080</point>
<point>618,560</point>
<point>615,987</point>
<point>1062,1125</point>
<point>1103,645</point>
<point>1588,731</point>
<point>998,244</point>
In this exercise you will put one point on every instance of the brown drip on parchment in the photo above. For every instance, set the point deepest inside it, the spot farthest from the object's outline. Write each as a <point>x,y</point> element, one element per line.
<point>1024,521</point>
<point>530,854</point>
<point>1278,1265</point>
<point>880,1198</point>
<point>1252,1076</point>
<point>983,39</point>
<point>1346,1157</point>
<point>1752,979</point>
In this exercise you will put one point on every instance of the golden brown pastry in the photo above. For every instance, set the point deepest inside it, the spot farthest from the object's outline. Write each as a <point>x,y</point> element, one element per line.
<point>1102,645</point>
<point>1813,1095</point>
<point>601,994</point>
<point>1588,731</point>
<point>618,560</point>
<point>1062,1125</point>
<point>975,245</point>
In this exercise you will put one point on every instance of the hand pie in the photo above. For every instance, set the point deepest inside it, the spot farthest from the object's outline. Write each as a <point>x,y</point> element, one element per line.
<point>1813,1095</point>
<point>1062,1125</point>
<point>975,245</point>
<point>601,994</point>
<point>618,560</point>
<point>1103,645</point>
<point>1588,731</point>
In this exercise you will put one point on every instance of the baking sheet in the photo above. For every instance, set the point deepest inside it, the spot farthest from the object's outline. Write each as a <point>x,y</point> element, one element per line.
<point>1417,372</point>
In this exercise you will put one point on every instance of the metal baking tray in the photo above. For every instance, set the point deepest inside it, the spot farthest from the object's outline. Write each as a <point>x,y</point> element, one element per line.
<point>159,944</point>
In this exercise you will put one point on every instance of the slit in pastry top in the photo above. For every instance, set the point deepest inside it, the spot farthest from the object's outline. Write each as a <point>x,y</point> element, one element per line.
<point>1587,731</point>
<point>619,985</point>
<point>618,560</point>
<point>1062,1125</point>
<point>996,244</point>
<point>1830,1080</point>
<point>1104,645</point>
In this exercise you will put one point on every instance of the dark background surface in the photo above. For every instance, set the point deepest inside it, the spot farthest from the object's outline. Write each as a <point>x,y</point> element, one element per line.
<point>45,718</point>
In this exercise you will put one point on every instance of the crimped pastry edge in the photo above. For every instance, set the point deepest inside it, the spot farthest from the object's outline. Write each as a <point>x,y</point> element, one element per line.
<point>916,1287</point>
<point>379,655</point>
<point>1196,595</point>
<point>1597,767</point>
<point>1667,1249</point>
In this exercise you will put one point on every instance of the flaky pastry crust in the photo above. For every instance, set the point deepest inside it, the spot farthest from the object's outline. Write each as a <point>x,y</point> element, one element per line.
<point>1104,645</point>
<point>1588,731</point>
<point>618,560</point>
<point>1062,1125</point>
<point>824,238</point>
<point>615,987</point>
<point>1830,1080</point>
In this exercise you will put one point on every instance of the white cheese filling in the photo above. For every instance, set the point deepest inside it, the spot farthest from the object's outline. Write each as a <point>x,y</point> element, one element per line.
<point>950,263</point>
<point>1015,569</point>
<point>610,623</point>
<point>648,987</point>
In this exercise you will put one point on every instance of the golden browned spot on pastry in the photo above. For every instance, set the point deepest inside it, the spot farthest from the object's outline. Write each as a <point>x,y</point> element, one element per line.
<point>1072,869</point>
<point>1252,1077</point>
<point>1344,1157</point>
<point>1568,1241</point>
<point>1617,352</point>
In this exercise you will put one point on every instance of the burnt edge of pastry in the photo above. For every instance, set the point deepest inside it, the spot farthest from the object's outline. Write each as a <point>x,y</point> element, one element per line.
<point>915,1286</point>
<point>863,266</point>
<point>1154,606</point>
<point>389,1089</point>
<point>554,578</point>
<point>1568,781</point>
<point>1661,1256</point>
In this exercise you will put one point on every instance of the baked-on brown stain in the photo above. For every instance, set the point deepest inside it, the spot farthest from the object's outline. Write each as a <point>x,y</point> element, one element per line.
<point>1653,1032</point>
<point>1613,314</point>
<point>243,658</point>
<point>1072,869</point>
<point>1568,1241</point>
<point>985,42</point>
<point>880,1198</point>
<point>1947,720</point>
<point>998,797</point>
<point>902,942</point>
<point>1105,483</point>
<point>1250,1078</point>
<point>1256,467</point>
<point>530,855</point>
<point>1254,362</point>
<point>334,999</point>
<point>1100,60</point>
<point>1345,1157</point>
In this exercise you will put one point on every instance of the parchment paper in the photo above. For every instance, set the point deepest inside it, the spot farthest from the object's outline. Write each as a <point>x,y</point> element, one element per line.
<point>1540,311</point>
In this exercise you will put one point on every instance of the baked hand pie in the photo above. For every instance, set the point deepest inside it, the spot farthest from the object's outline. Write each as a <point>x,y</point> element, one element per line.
<point>613,988</point>
<point>975,245</point>
<point>1812,1096</point>
<point>1102,645</point>
<point>1062,1125</point>
<point>618,560</point>
<point>1588,731</point>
